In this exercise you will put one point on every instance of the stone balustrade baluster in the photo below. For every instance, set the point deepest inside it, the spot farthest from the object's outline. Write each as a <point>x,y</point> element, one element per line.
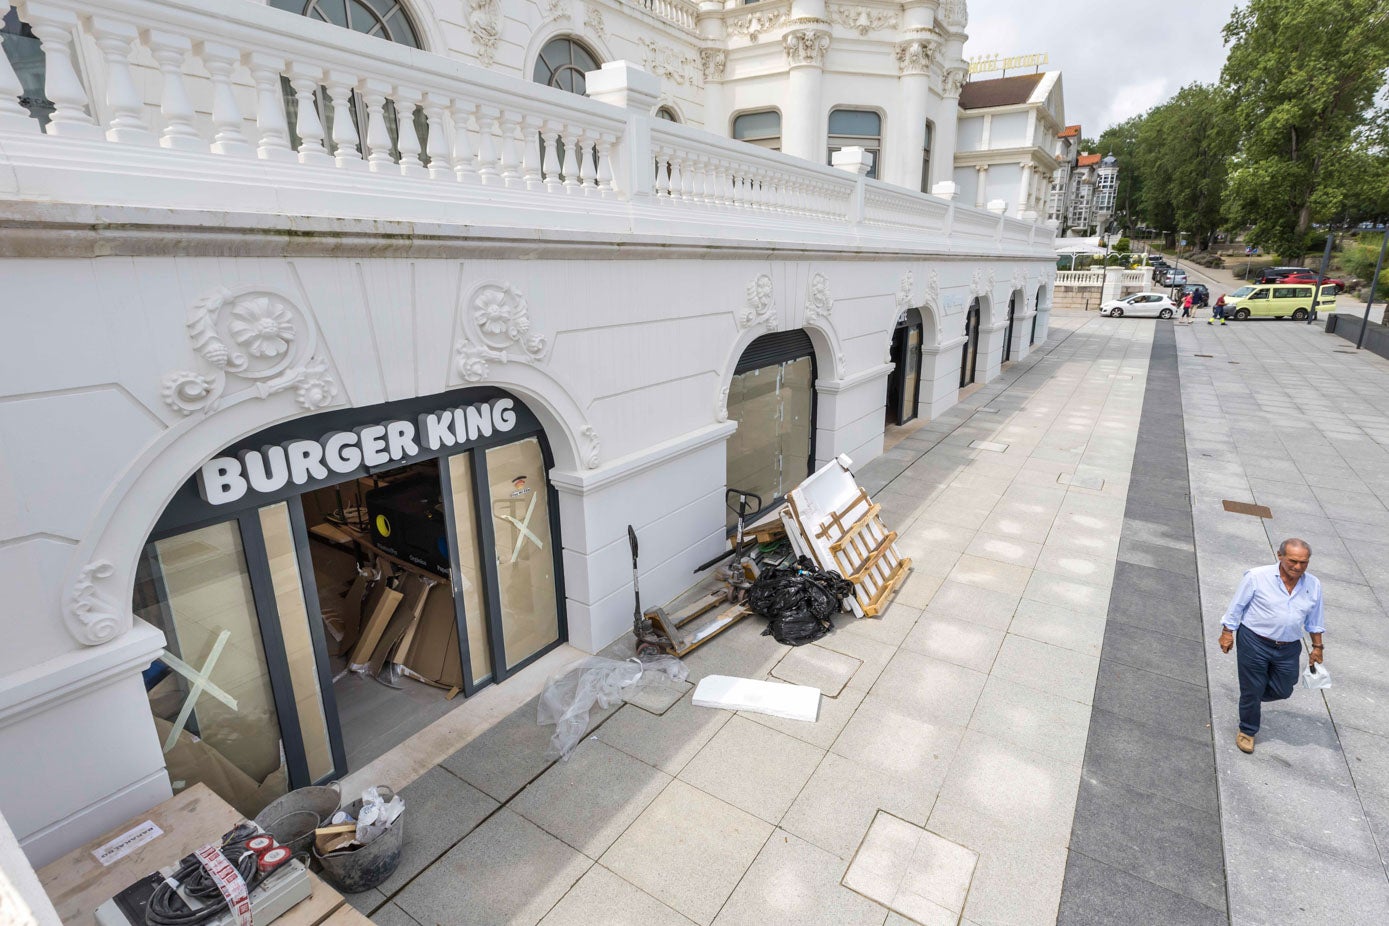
<point>170,51</point>
<point>696,174</point>
<point>345,153</point>
<point>509,124</point>
<point>677,177</point>
<point>304,81</point>
<point>569,160</point>
<point>464,154</point>
<point>54,29</point>
<point>735,186</point>
<point>550,161</point>
<point>604,145</point>
<point>662,175</point>
<point>227,135</point>
<point>720,172</point>
<point>487,167</point>
<point>530,153</point>
<point>588,168</point>
<point>378,136</point>
<point>437,145</point>
<point>407,138</point>
<point>127,123</point>
<point>13,117</point>
<point>271,125</point>
<point>687,179</point>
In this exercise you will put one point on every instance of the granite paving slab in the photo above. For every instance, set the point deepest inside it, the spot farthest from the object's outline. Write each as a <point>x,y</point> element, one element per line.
<point>915,873</point>
<point>792,881</point>
<point>602,897</point>
<point>753,768</point>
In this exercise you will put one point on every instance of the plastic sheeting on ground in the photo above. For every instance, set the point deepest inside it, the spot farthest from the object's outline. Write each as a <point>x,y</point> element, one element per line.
<point>571,694</point>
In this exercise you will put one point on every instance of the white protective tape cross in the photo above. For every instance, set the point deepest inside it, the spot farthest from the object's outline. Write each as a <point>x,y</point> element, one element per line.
<point>524,530</point>
<point>229,882</point>
<point>201,681</point>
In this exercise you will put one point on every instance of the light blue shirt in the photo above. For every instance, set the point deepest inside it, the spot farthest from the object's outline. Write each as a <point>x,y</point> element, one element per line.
<point>1263,604</point>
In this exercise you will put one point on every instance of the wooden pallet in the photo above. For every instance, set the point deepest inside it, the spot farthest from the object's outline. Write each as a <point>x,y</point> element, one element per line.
<point>832,519</point>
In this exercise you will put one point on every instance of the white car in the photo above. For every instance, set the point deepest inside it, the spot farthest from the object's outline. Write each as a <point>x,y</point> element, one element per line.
<point>1155,304</point>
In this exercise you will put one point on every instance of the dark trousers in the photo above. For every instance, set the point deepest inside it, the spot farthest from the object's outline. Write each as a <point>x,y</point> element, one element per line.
<point>1266,673</point>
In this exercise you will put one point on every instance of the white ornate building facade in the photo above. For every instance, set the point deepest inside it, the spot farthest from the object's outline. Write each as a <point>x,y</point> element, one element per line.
<point>277,287</point>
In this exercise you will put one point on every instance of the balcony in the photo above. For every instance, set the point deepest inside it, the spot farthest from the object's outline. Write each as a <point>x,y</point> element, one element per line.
<point>222,106</point>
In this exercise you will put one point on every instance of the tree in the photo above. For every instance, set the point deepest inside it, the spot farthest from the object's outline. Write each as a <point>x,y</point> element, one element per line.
<point>1303,74</point>
<point>1180,156</point>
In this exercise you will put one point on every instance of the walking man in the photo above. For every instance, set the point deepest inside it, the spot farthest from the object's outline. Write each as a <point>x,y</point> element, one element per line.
<point>1272,607</point>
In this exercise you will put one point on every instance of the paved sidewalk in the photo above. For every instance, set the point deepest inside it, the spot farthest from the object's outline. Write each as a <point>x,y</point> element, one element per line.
<point>1287,416</point>
<point>939,784</point>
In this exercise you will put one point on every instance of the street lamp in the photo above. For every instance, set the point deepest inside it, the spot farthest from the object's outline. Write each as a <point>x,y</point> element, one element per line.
<point>1374,281</point>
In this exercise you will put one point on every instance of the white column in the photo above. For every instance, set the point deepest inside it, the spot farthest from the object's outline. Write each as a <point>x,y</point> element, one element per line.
<point>803,132</point>
<point>1024,188</point>
<point>915,52</point>
<point>947,118</point>
<point>981,180</point>
<point>712,60</point>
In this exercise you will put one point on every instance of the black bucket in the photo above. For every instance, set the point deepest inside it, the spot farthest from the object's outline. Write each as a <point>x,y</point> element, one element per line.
<point>352,871</point>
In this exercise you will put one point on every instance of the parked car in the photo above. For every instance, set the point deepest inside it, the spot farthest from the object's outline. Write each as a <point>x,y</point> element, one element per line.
<point>1275,274</point>
<point>1202,294</point>
<point>1175,278</point>
<point>1277,301</point>
<point>1310,279</point>
<point>1155,304</point>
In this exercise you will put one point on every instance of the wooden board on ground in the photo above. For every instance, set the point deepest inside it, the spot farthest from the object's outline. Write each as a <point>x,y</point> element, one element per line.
<point>78,883</point>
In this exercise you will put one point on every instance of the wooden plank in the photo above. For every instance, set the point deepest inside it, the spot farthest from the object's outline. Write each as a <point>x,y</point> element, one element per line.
<point>873,556</point>
<point>853,531</point>
<point>893,580</point>
<point>77,883</point>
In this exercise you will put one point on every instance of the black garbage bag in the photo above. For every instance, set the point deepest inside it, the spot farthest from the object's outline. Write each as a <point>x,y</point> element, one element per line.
<point>798,600</point>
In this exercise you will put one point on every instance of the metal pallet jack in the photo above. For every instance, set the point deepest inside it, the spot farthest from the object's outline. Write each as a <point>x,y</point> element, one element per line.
<point>660,632</point>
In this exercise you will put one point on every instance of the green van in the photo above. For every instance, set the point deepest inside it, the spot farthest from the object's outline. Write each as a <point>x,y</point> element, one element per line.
<point>1277,300</point>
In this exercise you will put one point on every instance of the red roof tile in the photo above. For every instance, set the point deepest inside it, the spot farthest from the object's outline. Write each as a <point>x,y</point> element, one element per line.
<point>1087,160</point>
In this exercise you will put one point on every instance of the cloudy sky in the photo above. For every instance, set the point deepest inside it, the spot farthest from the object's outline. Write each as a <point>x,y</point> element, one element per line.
<point>1117,59</point>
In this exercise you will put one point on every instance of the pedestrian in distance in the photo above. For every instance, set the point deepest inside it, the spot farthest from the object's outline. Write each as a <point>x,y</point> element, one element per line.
<point>1272,607</point>
<point>1186,306</point>
<point>1218,312</point>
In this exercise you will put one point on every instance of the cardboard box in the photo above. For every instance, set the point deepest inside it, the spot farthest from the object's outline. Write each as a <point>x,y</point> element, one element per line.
<point>434,655</point>
<point>380,605</point>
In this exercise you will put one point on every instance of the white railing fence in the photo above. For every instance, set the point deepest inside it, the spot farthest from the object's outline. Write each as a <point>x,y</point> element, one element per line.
<point>1080,278</point>
<point>237,88</point>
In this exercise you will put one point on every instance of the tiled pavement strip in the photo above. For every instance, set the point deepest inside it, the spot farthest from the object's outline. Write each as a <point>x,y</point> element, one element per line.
<point>965,710</point>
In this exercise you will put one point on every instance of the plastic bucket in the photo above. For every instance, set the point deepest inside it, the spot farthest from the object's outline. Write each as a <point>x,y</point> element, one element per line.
<point>292,818</point>
<point>352,871</point>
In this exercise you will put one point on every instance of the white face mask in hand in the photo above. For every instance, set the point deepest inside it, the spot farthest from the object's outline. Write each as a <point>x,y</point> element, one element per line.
<point>1314,677</point>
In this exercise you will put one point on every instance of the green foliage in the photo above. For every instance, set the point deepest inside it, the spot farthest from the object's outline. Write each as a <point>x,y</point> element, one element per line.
<point>1123,245</point>
<point>1359,257</point>
<point>1183,149</point>
<point>1304,75</point>
<point>1122,141</point>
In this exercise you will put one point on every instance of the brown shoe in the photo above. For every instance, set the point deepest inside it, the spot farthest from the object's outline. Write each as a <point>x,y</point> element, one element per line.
<point>1245,742</point>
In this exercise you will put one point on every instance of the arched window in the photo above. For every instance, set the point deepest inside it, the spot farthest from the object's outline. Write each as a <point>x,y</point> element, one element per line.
<point>668,114</point>
<point>761,128</point>
<point>384,18</point>
<point>860,127</point>
<point>563,62</point>
<point>22,48</point>
<point>772,397</point>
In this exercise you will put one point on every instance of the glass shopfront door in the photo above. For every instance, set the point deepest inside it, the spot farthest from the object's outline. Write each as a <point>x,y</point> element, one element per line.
<point>313,627</point>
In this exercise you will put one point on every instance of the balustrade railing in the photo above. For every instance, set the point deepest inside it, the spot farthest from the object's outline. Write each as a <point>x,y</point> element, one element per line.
<point>354,102</point>
<point>1080,278</point>
<point>677,12</point>
<point>314,104</point>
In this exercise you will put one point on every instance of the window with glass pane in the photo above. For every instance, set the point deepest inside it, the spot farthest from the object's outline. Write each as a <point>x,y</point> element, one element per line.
<point>520,512</point>
<point>383,18</point>
<point>283,558</point>
<point>860,127</point>
<point>468,578</point>
<point>760,128</point>
<point>668,114</point>
<point>926,159</point>
<point>563,63</point>
<point>770,452</point>
<point>226,734</point>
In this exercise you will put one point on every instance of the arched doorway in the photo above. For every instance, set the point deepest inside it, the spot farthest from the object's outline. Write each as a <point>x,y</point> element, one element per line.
<point>969,353</point>
<point>1008,328</point>
<point>904,382</point>
<point>339,578</point>
<point>772,397</point>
